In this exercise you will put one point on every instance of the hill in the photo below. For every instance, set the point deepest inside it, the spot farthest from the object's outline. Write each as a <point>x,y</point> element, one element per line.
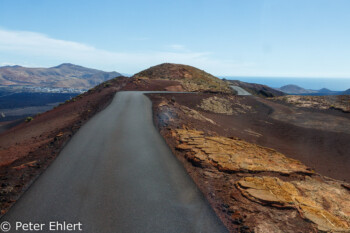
<point>191,78</point>
<point>325,91</point>
<point>294,89</point>
<point>257,89</point>
<point>63,76</point>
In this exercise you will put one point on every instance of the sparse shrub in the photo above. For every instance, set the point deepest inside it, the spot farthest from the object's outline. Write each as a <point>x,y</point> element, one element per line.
<point>29,119</point>
<point>107,85</point>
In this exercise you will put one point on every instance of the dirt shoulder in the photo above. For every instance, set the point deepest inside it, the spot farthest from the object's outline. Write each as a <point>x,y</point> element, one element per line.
<point>244,161</point>
<point>28,148</point>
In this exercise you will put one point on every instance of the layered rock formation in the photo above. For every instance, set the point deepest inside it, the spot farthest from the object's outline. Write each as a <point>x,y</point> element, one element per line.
<point>234,155</point>
<point>327,204</point>
<point>319,200</point>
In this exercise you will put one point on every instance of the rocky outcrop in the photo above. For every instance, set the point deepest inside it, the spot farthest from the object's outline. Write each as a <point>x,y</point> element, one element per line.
<point>224,105</point>
<point>326,204</point>
<point>217,105</point>
<point>234,155</point>
<point>340,102</point>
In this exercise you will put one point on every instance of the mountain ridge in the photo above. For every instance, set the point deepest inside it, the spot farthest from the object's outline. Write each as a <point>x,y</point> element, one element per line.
<point>65,75</point>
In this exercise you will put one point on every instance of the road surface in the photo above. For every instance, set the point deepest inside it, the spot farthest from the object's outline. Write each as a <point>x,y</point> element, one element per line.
<point>117,175</point>
<point>240,91</point>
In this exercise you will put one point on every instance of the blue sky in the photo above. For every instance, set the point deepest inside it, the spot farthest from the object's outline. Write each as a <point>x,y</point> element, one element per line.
<point>225,37</point>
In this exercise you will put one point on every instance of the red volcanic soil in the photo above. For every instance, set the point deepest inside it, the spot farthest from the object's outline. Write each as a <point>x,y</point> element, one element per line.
<point>325,150</point>
<point>6,125</point>
<point>28,148</point>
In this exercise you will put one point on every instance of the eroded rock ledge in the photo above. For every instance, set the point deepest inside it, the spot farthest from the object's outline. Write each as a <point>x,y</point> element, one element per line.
<point>234,155</point>
<point>307,197</point>
<point>319,200</point>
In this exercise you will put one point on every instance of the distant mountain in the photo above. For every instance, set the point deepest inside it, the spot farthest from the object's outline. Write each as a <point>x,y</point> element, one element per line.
<point>63,76</point>
<point>325,90</point>
<point>347,92</point>
<point>257,89</point>
<point>294,89</point>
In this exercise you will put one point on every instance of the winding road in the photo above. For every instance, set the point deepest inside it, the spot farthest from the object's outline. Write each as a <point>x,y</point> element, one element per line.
<point>240,91</point>
<point>117,175</point>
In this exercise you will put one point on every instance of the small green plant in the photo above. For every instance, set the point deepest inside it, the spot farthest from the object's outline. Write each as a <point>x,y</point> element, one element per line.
<point>29,119</point>
<point>107,85</point>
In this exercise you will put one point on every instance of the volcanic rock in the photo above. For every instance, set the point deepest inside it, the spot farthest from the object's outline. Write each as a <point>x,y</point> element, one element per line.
<point>326,204</point>
<point>234,155</point>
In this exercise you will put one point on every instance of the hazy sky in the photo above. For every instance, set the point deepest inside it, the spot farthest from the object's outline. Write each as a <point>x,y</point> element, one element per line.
<point>308,38</point>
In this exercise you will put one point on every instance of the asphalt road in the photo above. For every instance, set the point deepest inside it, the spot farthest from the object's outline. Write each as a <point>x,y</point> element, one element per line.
<point>117,175</point>
<point>240,91</point>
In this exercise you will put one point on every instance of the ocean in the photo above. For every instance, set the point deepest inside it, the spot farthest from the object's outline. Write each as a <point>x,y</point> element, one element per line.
<point>334,84</point>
